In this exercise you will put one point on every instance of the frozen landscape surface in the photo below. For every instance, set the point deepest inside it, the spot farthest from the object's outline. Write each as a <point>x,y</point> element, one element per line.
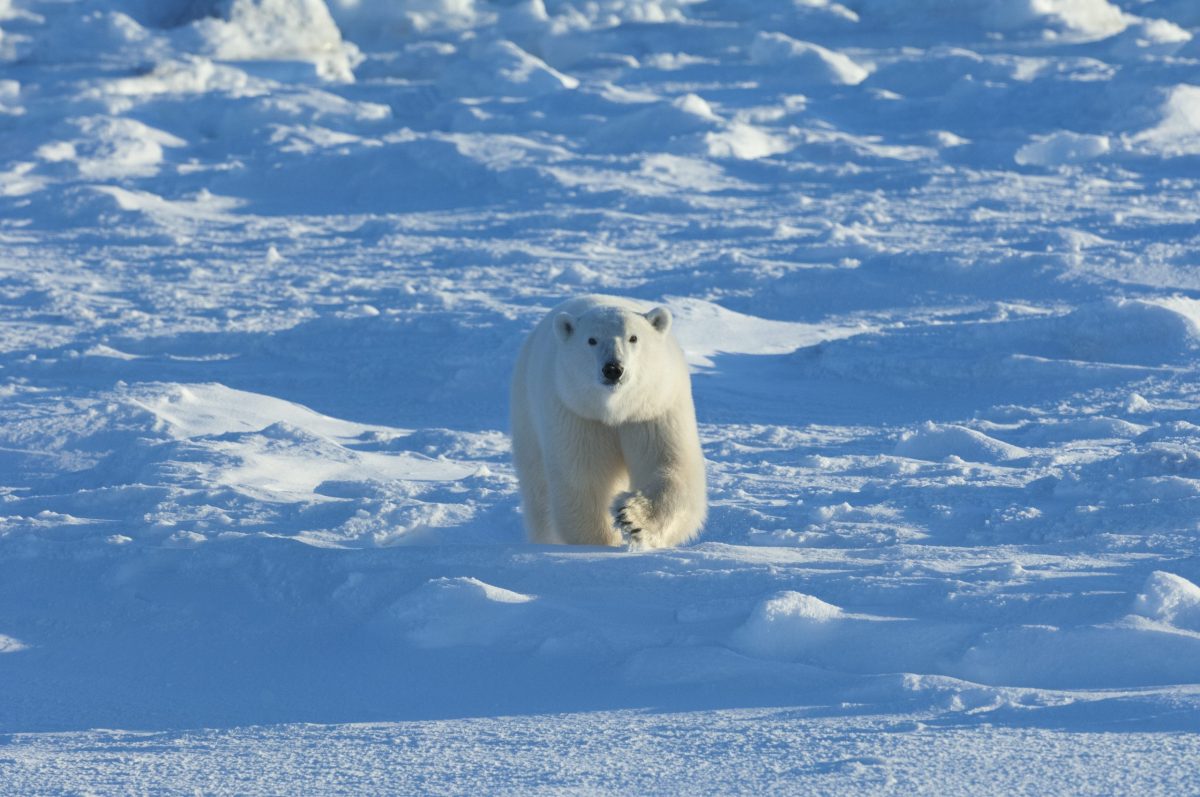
<point>264,269</point>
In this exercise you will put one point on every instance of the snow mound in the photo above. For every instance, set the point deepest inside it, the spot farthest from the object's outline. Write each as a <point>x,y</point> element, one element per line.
<point>1146,37</point>
<point>1178,131</point>
<point>937,442</point>
<point>786,624</point>
<point>657,122</point>
<point>502,68</point>
<point>316,479</point>
<point>207,410</point>
<point>705,329</point>
<point>397,18</point>
<point>275,450</point>
<point>185,210</point>
<point>190,74</point>
<point>741,141</point>
<point>1132,330</point>
<point>278,30</point>
<point>1061,148</point>
<point>806,62</point>
<point>455,612</point>
<point>1094,428</point>
<point>1128,653</point>
<point>797,627</point>
<point>112,147</point>
<point>1074,19</point>
<point>1170,599</point>
<point>686,125</point>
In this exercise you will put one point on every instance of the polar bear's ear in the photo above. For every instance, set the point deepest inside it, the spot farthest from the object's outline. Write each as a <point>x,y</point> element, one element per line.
<point>659,318</point>
<point>564,325</point>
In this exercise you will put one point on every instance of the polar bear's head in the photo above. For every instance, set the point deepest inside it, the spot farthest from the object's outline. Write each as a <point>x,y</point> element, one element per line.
<point>616,365</point>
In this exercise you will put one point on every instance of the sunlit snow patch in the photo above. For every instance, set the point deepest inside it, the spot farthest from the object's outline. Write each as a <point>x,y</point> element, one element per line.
<point>1061,148</point>
<point>10,645</point>
<point>450,612</point>
<point>279,30</point>
<point>275,450</point>
<point>806,62</point>
<point>189,74</point>
<point>10,98</point>
<point>786,624</point>
<point>202,206</point>
<point>1170,599</point>
<point>1130,652</point>
<point>1152,330</point>
<point>793,626</point>
<point>1178,132</point>
<point>396,19</point>
<point>686,125</point>
<point>502,68</point>
<point>1148,37</point>
<point>705,329</point>
<point>112,147</point>
<point>212,409</point>
<point>936,442</point>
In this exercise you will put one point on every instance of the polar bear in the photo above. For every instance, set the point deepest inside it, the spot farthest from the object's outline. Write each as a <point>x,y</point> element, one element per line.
<point>604,429</point>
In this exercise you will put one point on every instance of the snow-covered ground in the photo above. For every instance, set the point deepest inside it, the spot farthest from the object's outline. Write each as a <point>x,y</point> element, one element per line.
<point>264,269</point>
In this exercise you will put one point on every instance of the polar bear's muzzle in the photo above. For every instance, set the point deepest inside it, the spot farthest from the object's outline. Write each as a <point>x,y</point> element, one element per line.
<point>611,372</point>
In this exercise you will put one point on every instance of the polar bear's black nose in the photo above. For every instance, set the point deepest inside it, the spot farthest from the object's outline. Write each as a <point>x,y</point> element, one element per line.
<point>612,371</point>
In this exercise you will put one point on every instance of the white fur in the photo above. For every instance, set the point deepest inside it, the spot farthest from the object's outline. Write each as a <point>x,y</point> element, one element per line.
<point>603,463</point>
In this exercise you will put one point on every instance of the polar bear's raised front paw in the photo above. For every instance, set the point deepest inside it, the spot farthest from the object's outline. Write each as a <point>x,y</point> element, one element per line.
<point>633,513</point>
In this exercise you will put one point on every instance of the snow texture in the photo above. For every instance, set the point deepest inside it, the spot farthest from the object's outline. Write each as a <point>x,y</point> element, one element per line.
<point>265,266</point>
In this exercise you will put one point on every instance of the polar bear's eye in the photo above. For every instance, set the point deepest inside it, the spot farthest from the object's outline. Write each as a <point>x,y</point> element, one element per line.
<point>633,338</point>
<point>591,341</point>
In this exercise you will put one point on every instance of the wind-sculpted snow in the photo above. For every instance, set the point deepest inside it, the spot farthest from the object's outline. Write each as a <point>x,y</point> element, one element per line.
<point>264,269</point>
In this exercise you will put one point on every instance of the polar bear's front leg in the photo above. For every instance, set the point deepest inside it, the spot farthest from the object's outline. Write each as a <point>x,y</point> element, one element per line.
<point>670,516</point>
<point>634,514</point>
<point>583,473</point>
<point>668,501</point>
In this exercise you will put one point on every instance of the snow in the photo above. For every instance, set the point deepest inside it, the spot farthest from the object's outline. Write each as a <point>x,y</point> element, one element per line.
<point>745,751</point>
<point>941,441</point>
<point>810,62</point>
<point>264,269</point>
<point>1170,599</point>
<point>1178,131</point>
<point>1061,148</point>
